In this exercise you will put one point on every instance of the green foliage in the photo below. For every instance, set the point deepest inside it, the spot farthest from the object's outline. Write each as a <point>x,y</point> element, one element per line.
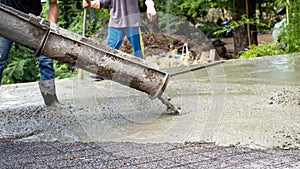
<point>243,21</point>
<point>171,18</point>
<point>291,34</point>
<point>21,66</point>
<point>63,70</point>
<point>211,29</point>
<point>195,9</point>
<point>265,49</point>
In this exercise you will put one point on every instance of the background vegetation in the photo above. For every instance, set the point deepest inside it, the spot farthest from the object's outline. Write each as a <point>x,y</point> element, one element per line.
<point>22,66</point>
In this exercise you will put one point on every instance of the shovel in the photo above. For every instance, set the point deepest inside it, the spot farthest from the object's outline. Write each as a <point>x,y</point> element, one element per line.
<point>80,73</point>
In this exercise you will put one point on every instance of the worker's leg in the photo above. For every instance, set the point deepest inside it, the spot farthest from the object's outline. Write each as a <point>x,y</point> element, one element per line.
<point>114,40</point>
<point>134,35</point>
<point>115,37</point>
<point>46,68</point>
<point>5,46</point>
<point>47,83</point>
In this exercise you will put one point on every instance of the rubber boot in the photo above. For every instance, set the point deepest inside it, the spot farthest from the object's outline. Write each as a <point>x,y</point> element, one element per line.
<point>47,88</point>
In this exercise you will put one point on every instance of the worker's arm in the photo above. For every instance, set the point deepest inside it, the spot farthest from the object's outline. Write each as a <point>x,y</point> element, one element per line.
<point>53,11</point>
<point>151,12</point>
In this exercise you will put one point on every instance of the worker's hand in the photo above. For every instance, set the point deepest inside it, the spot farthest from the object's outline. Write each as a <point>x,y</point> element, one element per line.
<point>85,4</point>
<point>151,12</point>
<point>91,4</point>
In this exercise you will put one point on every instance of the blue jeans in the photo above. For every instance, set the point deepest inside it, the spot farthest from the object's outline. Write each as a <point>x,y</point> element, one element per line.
<point>133,34</point>
<point>45,64</point>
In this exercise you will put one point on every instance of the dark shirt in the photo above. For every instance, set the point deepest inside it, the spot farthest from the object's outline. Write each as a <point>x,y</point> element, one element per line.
<point>26,6</point>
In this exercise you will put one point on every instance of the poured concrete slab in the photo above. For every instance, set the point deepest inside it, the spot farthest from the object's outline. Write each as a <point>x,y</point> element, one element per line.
<point>253,103</point>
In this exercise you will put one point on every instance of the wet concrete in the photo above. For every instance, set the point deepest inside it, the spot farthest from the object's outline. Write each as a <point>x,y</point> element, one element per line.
<point>252,103</point>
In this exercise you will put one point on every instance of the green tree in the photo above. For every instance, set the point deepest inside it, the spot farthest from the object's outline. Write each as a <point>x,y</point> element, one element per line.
<point>291,34</point>
<point>194,10</point>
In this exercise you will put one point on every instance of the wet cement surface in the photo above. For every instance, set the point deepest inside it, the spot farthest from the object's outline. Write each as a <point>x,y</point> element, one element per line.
<point>254,104</point>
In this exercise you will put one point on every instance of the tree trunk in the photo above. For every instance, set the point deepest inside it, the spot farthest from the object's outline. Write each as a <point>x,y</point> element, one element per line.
<point>240,37</point>
<point>243,35</point>
<point>253,28</point>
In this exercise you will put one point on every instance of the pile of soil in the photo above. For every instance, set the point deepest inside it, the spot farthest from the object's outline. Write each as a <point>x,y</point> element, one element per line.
<point>158,46</point>
<point>157,43</point>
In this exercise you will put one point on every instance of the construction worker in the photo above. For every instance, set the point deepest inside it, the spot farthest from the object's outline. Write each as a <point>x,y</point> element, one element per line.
<point>46,83</point>
<point>124,21</point>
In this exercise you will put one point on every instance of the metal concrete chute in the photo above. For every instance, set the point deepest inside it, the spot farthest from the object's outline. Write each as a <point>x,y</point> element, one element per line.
<point>60,44</point>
